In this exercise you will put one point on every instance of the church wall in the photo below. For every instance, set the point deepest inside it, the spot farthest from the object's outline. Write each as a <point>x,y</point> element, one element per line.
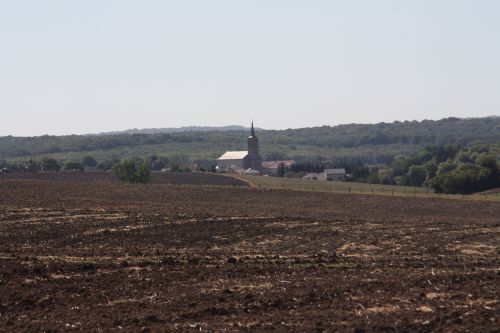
<point>225,164</point>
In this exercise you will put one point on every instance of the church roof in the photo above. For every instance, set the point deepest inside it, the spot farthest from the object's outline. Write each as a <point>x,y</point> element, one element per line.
<point>233,155</point>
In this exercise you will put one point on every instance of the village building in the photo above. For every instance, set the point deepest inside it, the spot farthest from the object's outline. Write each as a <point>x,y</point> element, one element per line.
<point>335,174</point>
<point>328,174</point>
<point>271,168</point>
<point>315,176</point>
<point>242,161</point>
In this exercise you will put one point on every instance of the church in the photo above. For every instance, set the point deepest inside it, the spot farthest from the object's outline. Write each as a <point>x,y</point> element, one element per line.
<point>242,161</point>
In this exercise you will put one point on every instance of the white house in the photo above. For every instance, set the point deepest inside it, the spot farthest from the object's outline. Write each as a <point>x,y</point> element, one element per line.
<point>328,174</point>
<point>335,174</point>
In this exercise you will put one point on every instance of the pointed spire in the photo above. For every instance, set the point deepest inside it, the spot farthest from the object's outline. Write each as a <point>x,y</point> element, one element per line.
<point>252,133</point>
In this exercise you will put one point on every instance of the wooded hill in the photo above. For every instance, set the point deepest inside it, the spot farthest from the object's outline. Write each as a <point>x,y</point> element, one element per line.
<point>367,143</point>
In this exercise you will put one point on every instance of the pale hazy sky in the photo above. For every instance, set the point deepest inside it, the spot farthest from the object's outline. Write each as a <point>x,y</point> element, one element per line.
<point>101,65</point>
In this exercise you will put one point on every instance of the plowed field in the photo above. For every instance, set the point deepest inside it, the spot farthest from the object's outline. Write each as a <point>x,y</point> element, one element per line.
<point>104,256</point>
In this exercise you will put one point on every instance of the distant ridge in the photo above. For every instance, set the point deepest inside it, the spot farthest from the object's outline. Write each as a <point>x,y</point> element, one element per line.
<point>366,143</point>
<point>243,128</point>
<point>178,130</point>
<point>487,117</point>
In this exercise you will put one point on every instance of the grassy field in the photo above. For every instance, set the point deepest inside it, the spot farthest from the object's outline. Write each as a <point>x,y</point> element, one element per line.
<point>350,187</point>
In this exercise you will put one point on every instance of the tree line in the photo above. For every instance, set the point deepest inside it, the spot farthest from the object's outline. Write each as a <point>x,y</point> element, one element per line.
<point>374,143</point>
<point>133,169</point>
<point>444,168</point>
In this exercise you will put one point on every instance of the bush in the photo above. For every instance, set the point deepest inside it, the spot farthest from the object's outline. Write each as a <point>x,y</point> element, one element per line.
<point>174,167</point>
<point>89,161</point>
<point>464,179</point>
<point>417,175</point>
<point>157,165</point>
<point>105,165</point>
<point>73,166</point>
<point>133,172</point>
<point>373,178</point>
<point>49,164</point>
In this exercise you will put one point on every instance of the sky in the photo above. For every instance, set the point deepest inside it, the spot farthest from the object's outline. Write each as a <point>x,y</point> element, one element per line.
<point>89,66</point>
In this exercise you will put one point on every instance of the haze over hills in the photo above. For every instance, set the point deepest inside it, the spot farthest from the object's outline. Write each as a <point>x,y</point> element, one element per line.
<point>179,129</point>
<point>209,128</point>
<point>371,143</point>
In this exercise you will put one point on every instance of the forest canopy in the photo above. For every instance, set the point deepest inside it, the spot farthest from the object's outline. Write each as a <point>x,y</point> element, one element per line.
<point>367,143</point>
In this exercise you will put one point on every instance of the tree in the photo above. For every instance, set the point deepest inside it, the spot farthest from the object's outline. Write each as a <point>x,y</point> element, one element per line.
<point>157,165</point>
<point>399,166</point>
<point>431,169</point>
<point>373,178</point>
<point>488,161</point>
<point>133,172</point>
<point>462,180</point>
<point>105,165</point>
<point>49,164</point>
<point>465,179</point>
<point>385,176</point>
<point>445,167</point>
<point>417,175</point>
<point>28,166</point>
<point>281,169</point>
<point>89,161</point>
<point>73,166</point>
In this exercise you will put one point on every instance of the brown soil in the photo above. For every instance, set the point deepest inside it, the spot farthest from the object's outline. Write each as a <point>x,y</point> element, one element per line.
<point>171,178</point>
<point>104,256</point>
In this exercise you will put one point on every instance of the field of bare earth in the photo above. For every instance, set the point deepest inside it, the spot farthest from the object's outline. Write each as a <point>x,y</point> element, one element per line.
<point>167,178</point>
<point>89,255</point>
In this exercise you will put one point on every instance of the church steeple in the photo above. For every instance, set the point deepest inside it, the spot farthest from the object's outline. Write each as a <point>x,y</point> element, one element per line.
<point>253,150</point>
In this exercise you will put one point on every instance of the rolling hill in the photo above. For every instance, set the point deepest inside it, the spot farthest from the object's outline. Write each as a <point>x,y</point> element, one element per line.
<point>371,143</point>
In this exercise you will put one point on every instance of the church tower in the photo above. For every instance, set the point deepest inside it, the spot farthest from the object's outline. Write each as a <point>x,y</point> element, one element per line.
<point>253,150</point>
